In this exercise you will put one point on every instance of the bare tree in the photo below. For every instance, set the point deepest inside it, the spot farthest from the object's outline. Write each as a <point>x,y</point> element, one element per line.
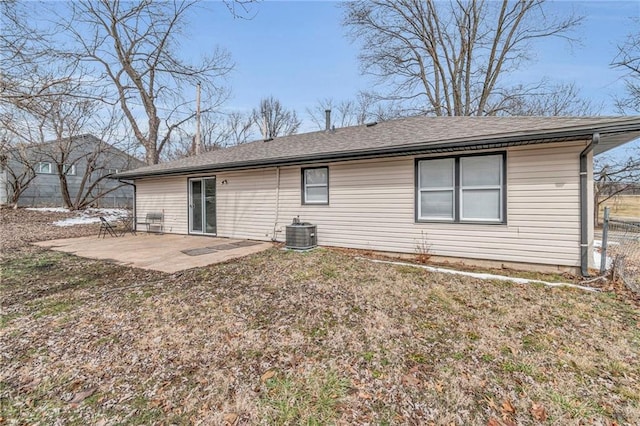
<point>128,49</point>
<point>628,60</point>
<point>614,176</point>
<point>74,153</point>
<point>218,131</point>
<point>94,161</point>
<point>36,89</point>
<point>347,112</point>
<point>551,100</point>
<point>133,49</point>
<point>364,108</point>
<point>450,57</point>
<point>31,67</point>
<point>51,129</point>
<point>18,171</point>
<point>65,118</point>
<point>239,128</point>
<point>275,118</point>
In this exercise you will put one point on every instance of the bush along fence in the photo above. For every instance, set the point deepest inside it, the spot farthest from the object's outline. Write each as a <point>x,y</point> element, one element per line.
<point>620,253</point>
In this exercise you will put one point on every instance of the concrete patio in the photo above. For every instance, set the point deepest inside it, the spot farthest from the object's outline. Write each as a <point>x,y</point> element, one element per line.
<point>161,252</point>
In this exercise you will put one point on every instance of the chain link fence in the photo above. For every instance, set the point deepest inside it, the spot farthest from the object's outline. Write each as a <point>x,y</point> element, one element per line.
<point>620,253</point>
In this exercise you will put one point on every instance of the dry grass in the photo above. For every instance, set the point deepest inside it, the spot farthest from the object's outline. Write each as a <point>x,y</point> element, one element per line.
<point>624,242</point>
<point>306,338</point>
<point>622,207</point>
<point>20,226</point>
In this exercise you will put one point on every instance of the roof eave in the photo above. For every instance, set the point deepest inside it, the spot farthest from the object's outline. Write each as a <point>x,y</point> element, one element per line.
<point>340,156</point>
<point>628,131</point>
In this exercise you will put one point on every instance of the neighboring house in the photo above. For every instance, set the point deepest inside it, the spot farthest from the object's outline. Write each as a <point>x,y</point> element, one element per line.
<point>79,153</point>
<point>514,191</point>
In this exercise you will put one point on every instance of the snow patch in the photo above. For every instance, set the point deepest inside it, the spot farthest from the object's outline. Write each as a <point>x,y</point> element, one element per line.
<point>597,255</point>
<point>89,216</point>
<point>48,209</point>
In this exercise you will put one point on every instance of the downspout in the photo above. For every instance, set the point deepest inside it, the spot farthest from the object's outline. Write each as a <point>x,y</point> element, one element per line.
<point>584,203</point>
<point>275,223</point>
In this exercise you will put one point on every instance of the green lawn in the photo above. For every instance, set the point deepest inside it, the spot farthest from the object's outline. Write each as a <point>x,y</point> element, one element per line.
<point>313,338</point>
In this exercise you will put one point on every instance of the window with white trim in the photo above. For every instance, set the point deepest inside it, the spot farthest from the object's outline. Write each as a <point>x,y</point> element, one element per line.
<point>436,187</point>
<point>315,185</point>
<point>109,172</point>
<point>69,170</point>
<point>44,168</point>
<point>461,189</point>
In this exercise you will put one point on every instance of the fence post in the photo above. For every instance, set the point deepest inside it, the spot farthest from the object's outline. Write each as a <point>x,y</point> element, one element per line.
<point>605,237</point>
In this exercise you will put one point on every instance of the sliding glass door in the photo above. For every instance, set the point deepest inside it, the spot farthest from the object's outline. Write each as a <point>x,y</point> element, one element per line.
<point>202,206</point>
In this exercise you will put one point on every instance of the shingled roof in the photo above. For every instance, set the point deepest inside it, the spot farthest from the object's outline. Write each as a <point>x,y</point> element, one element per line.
<point>400,137</point>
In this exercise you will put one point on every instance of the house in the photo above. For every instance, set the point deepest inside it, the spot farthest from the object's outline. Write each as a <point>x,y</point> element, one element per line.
<point>513,191</point>
<point>33,172</point>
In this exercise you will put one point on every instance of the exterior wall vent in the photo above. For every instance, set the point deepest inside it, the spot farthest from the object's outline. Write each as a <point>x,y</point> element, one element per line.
<point>301,235</point>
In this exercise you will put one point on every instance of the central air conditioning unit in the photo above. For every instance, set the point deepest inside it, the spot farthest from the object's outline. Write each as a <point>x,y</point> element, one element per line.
<point>301,235</point>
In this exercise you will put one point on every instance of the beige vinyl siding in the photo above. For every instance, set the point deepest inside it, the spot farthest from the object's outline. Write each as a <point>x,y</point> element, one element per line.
<point>246,204</point>
<point>166,195</point>
<point>372,206</point>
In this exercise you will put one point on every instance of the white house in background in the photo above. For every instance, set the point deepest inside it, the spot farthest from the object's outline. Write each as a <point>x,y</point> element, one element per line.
<point>513,191</point>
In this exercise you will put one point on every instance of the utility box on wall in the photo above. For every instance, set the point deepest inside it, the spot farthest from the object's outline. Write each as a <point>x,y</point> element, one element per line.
<point>301,236</point>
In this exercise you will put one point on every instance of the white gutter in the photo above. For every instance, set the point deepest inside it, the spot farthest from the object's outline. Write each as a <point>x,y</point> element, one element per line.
<point>584,203</point>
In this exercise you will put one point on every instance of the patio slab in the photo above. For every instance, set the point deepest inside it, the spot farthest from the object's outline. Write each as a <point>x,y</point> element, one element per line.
<point>161,252</point>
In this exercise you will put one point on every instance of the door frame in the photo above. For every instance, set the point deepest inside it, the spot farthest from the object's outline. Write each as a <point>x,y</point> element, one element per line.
<point>203,206</point>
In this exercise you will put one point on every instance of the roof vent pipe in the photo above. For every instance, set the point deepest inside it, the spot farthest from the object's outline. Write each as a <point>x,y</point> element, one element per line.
<point>327,119</point>
<point>264,128</point>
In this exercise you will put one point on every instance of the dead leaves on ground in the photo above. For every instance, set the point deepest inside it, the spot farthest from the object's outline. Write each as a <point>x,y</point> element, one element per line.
<point>507,408</point>
<point>81,396</point>
<point>19,227</point>
<point>508,411</point>
<point>230,419</point>
<point>249,326</point>
<point>410,380</point>
<point>538,412</point>
<point>504,422</point>
<point>491,403</point>
<point>269,374</point>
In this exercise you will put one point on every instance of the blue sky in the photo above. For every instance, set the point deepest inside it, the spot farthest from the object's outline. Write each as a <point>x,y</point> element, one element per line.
<point>294,50</point>
<point>299,52</point>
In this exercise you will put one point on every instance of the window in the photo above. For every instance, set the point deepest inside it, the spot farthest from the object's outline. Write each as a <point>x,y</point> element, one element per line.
<point>437,189</point>
<point>44,168</point>
<point>481,188</point>
<point>461,189</point>
<point>110,172</point>
<point>69,170</point>
<point>315,185</point>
